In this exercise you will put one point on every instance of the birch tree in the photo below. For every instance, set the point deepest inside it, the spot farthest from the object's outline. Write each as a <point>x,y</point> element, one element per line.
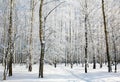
<point>106,37</point>
<point>41,36</point>
<point>42,23</point>
<point>31,31</point>
<point>4,40</point>
<point>10,41</point>
<point>86,39</point>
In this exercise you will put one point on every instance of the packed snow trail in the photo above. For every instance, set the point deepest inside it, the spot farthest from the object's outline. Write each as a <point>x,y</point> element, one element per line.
<point>61,74</point>
<point>94,75</point>
<point>78,78</point>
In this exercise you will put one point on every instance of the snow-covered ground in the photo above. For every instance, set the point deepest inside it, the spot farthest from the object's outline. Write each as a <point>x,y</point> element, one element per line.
<point>62,74</point>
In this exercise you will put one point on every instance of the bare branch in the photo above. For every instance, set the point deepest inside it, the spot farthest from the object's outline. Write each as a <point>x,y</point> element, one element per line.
<point>52,10</point>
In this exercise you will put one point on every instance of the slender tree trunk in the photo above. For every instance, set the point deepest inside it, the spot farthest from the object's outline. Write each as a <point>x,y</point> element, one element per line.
<point>4,74</point>
<point>86,49</point>
<point>94,56</point>
<point>114,47</point>
<point>106,37</point>
<point>31,30</point>
<point>94,62</point>
<point>65,56</point>
<point>41,36</point>
<point>55,63</point>
<point>5,65</point>
<point>70,35</point>
<point>99,54</point>
<point>15,32</point>
<point>42,60</point>
<point>101,59</point>
<point>115,59</point>
<point>101,64</point>
<point>66,51</point>
<point>86,39</point>
<point>5,56</point>
<point>10,42</point>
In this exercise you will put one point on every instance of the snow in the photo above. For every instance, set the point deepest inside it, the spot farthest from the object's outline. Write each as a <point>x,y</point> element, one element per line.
<point>62,74</point>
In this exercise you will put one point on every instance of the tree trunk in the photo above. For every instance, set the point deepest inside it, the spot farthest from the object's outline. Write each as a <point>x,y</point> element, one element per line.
<point>55,63</point>
<point>114,47</point>
<point>65,56</point>
<point>106,37</point>
<point>94,56</point>
<point>86,39</point>
<point>5,61</point>
<point>10,43</point>
<point>101,61</point>
<point>31,30</point>
<point>70,40</point>
<point>94,62</point>
<point>115,59</point>
<point>41,60</point>
<point>41,36</point>
<point>5,56</point>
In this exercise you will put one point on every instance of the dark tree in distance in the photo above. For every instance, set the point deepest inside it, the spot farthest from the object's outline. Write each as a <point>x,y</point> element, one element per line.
<point>86,39</point>
<point>106,37</point>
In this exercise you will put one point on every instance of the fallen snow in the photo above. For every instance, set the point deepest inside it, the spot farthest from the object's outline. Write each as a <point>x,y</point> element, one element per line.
<point>62,74</point>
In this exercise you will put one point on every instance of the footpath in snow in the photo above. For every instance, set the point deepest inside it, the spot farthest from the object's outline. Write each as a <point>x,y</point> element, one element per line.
<point>61,74</point>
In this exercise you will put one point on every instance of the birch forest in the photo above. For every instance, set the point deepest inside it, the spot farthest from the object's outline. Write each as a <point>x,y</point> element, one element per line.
<point>82,33</point>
